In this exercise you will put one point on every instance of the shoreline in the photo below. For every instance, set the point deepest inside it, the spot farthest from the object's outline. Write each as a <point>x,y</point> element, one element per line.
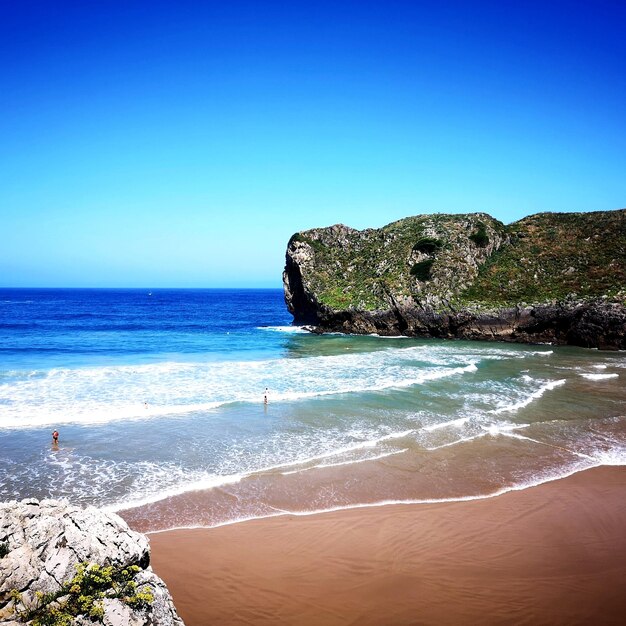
<point>340,509</point>
<point>550,554</point>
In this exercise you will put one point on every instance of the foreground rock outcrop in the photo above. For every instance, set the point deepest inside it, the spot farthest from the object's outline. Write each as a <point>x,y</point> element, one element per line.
<point>557,278</point>
<point>41,544</point>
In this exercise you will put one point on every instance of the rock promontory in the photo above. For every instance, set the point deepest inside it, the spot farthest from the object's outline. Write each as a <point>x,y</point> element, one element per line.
<point>62,564</point>
<point>548,278</point>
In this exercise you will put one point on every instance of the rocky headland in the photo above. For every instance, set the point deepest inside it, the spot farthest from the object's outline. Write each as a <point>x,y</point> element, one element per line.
<point>61,564</point>
<point>549,278</point>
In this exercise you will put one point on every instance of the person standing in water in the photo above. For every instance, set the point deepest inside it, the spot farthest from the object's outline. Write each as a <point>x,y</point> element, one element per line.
<point>55,438</point>
<point>265,396</point>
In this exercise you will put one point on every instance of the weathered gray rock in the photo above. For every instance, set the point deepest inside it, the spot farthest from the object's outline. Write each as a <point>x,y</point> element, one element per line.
<point>595,324</point>
<point>549,278</point>
<point>47,539</point>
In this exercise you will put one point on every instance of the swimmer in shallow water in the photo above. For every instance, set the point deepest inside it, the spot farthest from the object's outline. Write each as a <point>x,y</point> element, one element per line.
<point>55,437</point>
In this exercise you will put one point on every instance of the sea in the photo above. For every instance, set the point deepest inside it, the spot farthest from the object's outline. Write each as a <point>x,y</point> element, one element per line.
<point>159,400</point>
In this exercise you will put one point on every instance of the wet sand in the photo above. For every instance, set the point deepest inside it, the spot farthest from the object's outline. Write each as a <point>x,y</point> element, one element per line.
<point>553,554</point>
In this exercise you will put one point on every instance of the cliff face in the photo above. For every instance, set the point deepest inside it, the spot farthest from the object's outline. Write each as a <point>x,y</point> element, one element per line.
<point>41,543</point>
<point>558,278</point>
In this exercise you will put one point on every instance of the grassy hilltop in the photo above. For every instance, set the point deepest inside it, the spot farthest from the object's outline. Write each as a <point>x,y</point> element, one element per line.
<point>551,256</point>
<point>445,262</point>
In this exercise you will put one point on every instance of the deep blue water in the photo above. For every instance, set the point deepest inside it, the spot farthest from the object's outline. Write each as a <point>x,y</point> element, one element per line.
<point>73,327</point>
<point>159,395</point>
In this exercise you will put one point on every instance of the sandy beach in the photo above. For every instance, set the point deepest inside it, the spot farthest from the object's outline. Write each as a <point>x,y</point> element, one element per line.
<point>552,554</point>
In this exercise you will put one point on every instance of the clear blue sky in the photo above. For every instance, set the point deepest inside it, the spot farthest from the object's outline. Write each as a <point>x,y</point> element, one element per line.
<point>182,143</point>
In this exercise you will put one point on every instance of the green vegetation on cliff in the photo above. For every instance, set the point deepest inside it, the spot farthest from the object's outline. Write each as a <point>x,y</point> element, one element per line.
<point>84,595</point>
<point>427,256</point>
<point>551,256</point>
<point>442,261</point>
<point>422,269</point>
<point>428,245</point>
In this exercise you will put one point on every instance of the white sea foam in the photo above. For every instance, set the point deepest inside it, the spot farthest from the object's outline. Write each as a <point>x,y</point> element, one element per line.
<point>361,445</point>
<point>286,329</point>
<point>550,445</point>
<point>344,463</point>
<point>452,423</point>
<point>536,481</point>
<point>194,481</point>
<point>599,376</point>
<point>102,394</point>
<point>203,481</point>
<point>535,395</point>
<point>377,457</point>
<point>503,428</point>
<point>616,456</point>
<point>202,484</point>
<point>456,442</point>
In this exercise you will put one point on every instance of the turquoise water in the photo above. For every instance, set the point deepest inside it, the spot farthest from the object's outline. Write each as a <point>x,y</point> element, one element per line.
<point>158,397</point>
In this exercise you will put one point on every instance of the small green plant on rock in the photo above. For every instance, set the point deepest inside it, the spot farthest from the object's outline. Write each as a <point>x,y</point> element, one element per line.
<point>84,595</point>
<point>317,245</point>
<point>422,269</point>
<point>296,237</point>
<point>479,236</point>
<point>427,245</point>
